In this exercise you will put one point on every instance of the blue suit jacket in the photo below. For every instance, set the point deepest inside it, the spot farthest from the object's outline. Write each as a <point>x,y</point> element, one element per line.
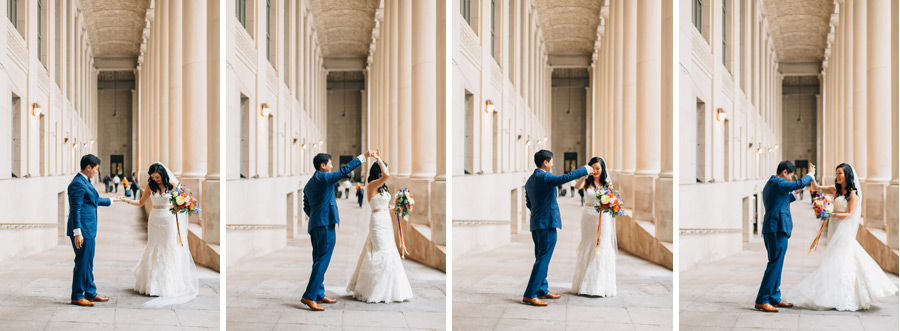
<point>540,197</point>
<point>318,196</point>
<point>83,202</point>
<point>777,198</point>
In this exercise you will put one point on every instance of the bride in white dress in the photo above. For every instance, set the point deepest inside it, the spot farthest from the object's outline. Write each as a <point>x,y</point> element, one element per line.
<point>847,278</point>
<point>166,269</point>
<point>379,274</point>
<point>595,269</point>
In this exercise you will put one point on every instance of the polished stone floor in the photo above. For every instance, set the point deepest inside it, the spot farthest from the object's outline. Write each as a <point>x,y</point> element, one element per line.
<point>487,288</point>
<point>34,291</point>
<point>720,295</point>
<point>264,292</point>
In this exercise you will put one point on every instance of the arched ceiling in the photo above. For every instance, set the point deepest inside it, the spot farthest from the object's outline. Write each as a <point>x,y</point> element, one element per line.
<point>344,27</point>
<point>569,26</point>
<point>799,28</point>
<point>115,26</point>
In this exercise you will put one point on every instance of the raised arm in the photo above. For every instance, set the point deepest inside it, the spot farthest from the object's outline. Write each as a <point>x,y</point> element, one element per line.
<point>572,175</point>
<point>579,184</point>
<point>372,187</point>
<point>792,185</point>
<point>333,177</point>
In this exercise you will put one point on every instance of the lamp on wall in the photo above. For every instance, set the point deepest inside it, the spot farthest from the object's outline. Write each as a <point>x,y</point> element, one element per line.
<point>320,142</point>
<point>776,147</point>
<point>770,150</point>
<point>720,115</point>
<point>488,106</point>
<point>265,111</point>
<point>758,150</point>
<point>92,141</point>
<point>36,110</point>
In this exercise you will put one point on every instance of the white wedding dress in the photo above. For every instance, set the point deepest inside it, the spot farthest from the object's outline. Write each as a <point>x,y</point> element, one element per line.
<point>595,271</point>
<point>166,268</point>
<point>379,274</point>
<point>847,278</point>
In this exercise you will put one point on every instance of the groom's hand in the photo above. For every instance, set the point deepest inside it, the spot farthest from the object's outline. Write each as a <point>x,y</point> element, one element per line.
<point>79,241</point>
<point>812,170</point>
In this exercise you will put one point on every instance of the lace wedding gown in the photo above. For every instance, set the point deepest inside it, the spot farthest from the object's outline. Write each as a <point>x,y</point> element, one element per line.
<point>847,278</point>
<point>379,274</point>
<point>595,272</point>
<point>166,268</point>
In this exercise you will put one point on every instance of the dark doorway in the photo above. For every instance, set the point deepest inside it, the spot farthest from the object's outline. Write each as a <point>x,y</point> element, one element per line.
<point>570,161</point>
<point>116,165</point>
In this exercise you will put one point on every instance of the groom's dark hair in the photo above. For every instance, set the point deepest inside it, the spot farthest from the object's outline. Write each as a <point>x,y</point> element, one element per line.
<point>786,165</point>
<point>541,156</point>
<point>320,159</point>
<point>89,160</point>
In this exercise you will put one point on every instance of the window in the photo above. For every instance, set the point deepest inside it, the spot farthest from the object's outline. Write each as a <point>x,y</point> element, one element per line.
<point>512,37</point>
<point>269,30</point>
<point>697,15</point>
<point>725,32</point>
<point>465,9</point>
<point>12,11</point>
<point>493,28</point>
<point>241,12</point>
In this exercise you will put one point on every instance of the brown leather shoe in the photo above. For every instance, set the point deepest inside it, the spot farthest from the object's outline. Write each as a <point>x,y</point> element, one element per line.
<point>312,305</point>
<point>534,302</point>
<point>785,304</point>
<point>766,308</point>
<point>327,300</point>
<point>83,302</point>
<point>550,295</point>
<point>100,298</point>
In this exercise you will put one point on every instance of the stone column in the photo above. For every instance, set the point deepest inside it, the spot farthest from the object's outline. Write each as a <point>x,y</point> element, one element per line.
<point>648,105</point>
<point>163,84</point>
<point>665,185</point>
<point>617,159</point>
<point>194,94</point>
<point>859,90</point>
<point>893,223</point>
<point>424,118</point>
<point>392,154</point>
<point>629,103</point>
<point>878,111</point>
<point>405,102</point>
<point>174,81</point>
<point>211,186</point>
<point>848,67</point>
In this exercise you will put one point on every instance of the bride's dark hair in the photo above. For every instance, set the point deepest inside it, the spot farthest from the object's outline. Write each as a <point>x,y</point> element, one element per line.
<point>589,181</point>
<point>157,168</point>
<point>848,178</point>
<point>375,173</point>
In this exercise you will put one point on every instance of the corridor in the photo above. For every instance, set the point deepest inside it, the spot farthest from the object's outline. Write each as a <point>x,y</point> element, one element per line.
<point>264,292</point>
<point>36,288</point>
<point>728,287</point>
<point>488,288</point>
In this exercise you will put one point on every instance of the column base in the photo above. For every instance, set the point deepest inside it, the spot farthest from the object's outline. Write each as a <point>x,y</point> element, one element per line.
<point>893,214</point>
<point>625,185</point>
<point>421,190</point>
<point>644,198</point>
<point>874,204</point>
<point>438,207</point>
<point>210,210</point>
<point>665,226</point>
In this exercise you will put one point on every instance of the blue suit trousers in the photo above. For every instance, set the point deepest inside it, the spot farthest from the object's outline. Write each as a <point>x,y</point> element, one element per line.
<point>323,240</point>
<point>544,243</point>
<point>776,246</point>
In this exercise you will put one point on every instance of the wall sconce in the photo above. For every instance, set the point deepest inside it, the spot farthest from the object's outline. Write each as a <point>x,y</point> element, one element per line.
<point>92,141</point>
<point>303,146</point>
<point>776,147</point>
<point>320,142</point>
<point>770,150</point>
<point>265,111</point>
<point>295,140</point>
<point>545,138</point>
<point>488,106</point>
<point>36,110</point>
<point>758,150</point>
<point>84,145</point>
<point>720,115</point>
<point>74,145</point>
<point>528,143</point>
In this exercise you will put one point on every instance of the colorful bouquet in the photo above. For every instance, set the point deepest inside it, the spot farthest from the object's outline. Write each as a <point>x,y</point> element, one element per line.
<point>183,202</point>
<point>403,206</point>
<point>608,201</point>
<point>824,209</point>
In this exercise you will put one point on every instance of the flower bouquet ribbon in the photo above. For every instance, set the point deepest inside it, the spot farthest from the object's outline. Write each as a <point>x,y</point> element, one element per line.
<point>824,210</point>
<point>607,201</point>
<point>403,206</point>
<point>183,202</point>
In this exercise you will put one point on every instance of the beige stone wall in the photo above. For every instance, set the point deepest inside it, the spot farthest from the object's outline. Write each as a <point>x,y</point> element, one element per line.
<point>800,104</point>
<point>344,120</point>
<point>116,132</point>
<point>569,122</point>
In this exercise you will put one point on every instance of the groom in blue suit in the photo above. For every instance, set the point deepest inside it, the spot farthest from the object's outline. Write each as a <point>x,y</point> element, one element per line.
<point>320,206</point>
<point>777,225</point>
<point>540,198</point>
<point>81,229</point>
